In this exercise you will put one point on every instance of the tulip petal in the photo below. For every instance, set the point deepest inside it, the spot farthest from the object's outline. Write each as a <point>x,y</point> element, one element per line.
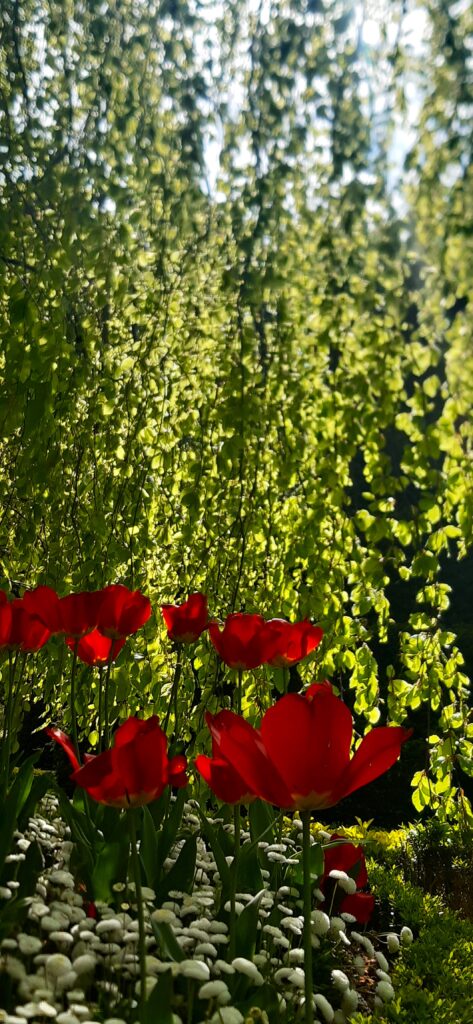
<point>66,744</point>
<point>241,745</point>
<point>222,779</point>
<point>142,762</point>
<point>309,742</point>
<point>360,904</point>
<point>377,752</point>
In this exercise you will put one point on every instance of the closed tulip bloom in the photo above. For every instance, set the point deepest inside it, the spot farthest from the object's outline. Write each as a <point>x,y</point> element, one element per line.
<point>135,771</point>
<point>95,648</point>
<point>122,611</point>
<point>185,622</point>
<point>299,758</point>
<point>245,642</point>
<point>26,632</point>
<point>294,641</point>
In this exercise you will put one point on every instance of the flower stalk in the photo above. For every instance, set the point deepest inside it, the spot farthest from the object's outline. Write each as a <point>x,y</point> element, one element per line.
<point>173,703</point>
<point>234,880</point>
<point>307,886</point>
<point>140,906</point>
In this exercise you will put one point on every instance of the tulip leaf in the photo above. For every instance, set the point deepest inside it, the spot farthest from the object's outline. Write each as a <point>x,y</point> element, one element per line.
<point>295,873</point>
<point>249,877</point>
<point>13,804</point>
<point>210,833</point>
<point>262,819</point>
<point>157,1009</point>
<point>167,940</point>
<point>110,866</point>
<point>247,928</point>
<point>149,850</point>
<point>30,869</point>
<point>181,875</point>
<point>167,836</point>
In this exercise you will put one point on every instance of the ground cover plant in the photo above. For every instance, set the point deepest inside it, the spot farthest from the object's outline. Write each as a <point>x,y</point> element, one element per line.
<point>235,510</point>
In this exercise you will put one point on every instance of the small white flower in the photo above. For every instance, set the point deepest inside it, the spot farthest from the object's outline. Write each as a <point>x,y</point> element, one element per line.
<point>324,1006</point>
<point>215,990</point>
<point>29,944</point>
<point>244,966</point>
<point>222,967</point>
<point>163,916</point>
<point>320,922</point>
<point>227,1015</point>
<point>85,964</point>
<point>349,1001</point>
<point>340,980</point>
<point>194,969</point>
<point>392,942</point>
<point>57,964</point>
<point>46,1010</point>
<point>383,963</point>
<point>406,936</point>
<point>297,977</point>
<point>109,925</point>
<point>385,991</point>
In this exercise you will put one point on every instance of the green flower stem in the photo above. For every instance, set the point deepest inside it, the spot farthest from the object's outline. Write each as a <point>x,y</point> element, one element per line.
<point>75,739</point>
<point>239,691</point>
<point>309,1012</point>
<point>174,691</point>
<point>106,725</point>
<point>99,711</point>
<point>234,879</point>
<point>6,744</point>
<point>139,902</point>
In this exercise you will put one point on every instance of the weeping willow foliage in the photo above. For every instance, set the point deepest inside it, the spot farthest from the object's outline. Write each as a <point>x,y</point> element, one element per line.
<point>236,257</point>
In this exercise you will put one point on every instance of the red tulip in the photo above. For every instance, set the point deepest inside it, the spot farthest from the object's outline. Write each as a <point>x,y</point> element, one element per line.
<point>294,641</point>
<point>300,756</point>
<point>245,641</point>
<point>75,614</point>
<point>122,611</point>
<point>219,775</point>
<point>348,858</point>
<point>26,633</point>
<point>5,619</point>
<point>96,649</point>
<point>134,771</point>
<point>185,622</point>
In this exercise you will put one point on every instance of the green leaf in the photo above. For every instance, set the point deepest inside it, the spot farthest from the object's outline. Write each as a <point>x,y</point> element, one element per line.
<point>247,928</point>
<point>223,869</point>
<point>157,1009</point>
<point>167,940</point>
<point>262,819</point>
<point>181,875</point>
<point>149,850</point>
<point>296,872</point>
<point>110,866</point>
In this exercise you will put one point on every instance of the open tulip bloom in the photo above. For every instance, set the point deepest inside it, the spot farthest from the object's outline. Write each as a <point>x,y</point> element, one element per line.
<point>294,641</point>
<point>299,758</point>
<point>187,621</point>
<point>133,772</point>
<point>245,642</point>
